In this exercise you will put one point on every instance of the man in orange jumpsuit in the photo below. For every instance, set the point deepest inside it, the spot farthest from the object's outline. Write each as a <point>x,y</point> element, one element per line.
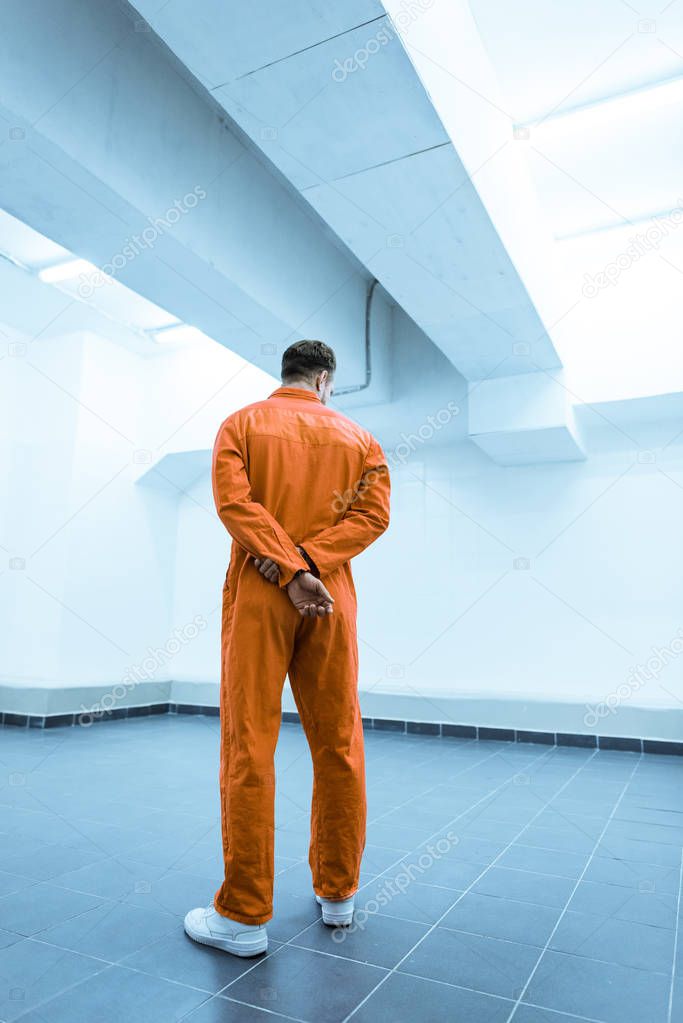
<point>302,490</point>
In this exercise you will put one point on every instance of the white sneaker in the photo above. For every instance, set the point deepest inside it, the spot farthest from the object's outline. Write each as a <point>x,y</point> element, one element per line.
<point>210,928</point>
<point>336,913</point>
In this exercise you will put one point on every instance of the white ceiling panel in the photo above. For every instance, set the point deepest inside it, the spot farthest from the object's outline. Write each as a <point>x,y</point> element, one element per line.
<point>378,113</point>
<point>224,41</point>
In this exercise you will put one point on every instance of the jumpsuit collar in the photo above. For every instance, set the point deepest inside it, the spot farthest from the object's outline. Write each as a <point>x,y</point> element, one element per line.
<point>295,392</point>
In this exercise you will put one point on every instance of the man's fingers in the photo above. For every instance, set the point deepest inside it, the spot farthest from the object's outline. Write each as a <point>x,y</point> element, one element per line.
<point>268,568</point>
<point>316,610</point>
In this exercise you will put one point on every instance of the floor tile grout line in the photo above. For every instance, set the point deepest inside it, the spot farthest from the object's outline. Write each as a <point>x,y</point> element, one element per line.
<point>173,922</point>
<point>476,934</point>
<point>545,848</point>
<point>676,934</point>
<point>271,955</point>
<point>467,810</point>
<point>520,902</point>
<point>404,973</point>
<point>502,998</point>
<point>271,1012</point>
<point>569,955</point>
<point>437,980</point>
<point>427,760</point>
<point>448,824</point>
<point>69,987</point>
<point>477,763</point>
<point>91,842</point>
<point>64,953</point>
<point>437,755</point>
<point>571,1016</point>
<point>574,819</point>
<point>574,774</point>
<point>99,959</point>
<point>573,891</point>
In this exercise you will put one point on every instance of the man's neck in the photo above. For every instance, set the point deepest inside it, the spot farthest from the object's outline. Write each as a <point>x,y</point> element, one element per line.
<point>301,384</point>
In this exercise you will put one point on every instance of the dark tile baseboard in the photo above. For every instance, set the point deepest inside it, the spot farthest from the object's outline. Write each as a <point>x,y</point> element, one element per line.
<point>443,729</point>
<point>116,714</point>
<point>485,732</point>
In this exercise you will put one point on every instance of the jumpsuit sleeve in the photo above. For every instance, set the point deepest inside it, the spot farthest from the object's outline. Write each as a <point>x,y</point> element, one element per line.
<point>247,521</point>
<point>366,517</point>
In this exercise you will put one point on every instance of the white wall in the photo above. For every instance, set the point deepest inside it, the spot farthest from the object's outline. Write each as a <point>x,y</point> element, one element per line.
<point>89,554</point>
<point>89,590</point>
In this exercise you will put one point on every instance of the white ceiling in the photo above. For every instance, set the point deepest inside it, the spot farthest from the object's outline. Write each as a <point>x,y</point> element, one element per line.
<point>610,164</point>
<point>602,173</point>
<point>551,54</point>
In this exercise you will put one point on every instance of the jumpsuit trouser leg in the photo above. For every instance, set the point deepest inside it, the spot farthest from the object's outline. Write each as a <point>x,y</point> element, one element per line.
<point>324,678</point>
<point>263,638</point>
<point>258,629</point>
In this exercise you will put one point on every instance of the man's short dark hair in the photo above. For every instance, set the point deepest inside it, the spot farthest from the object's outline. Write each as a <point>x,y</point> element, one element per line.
<point>306,358</point>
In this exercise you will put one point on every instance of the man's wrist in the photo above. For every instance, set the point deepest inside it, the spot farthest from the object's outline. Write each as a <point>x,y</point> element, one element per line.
<point>312,567</point>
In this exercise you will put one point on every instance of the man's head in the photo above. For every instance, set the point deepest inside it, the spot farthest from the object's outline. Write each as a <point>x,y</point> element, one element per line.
<point>310,364</point>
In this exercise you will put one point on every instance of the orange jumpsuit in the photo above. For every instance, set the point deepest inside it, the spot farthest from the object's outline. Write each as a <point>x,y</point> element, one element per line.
<point>288,472</point>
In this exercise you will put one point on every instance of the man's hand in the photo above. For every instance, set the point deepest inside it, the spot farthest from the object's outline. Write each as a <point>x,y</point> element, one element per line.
<point>270,570</point>
<point>309,596</point>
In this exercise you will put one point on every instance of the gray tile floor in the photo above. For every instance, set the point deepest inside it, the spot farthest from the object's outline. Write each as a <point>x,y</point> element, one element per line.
<point>500,882</point>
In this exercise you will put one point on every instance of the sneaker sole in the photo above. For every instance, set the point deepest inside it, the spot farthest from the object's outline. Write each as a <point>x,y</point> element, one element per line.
<point>225,945</point>
<point>334,919</point>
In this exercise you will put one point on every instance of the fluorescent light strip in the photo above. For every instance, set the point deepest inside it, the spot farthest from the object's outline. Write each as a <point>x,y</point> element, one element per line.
<point>66,271</point>
<point>636,103</point>
<point>620,225</point>
<point>178,332</point>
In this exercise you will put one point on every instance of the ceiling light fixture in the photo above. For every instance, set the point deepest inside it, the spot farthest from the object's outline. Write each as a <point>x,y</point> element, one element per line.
<point>178,333</point>
<point>66,271</point>
<point>636,103</point>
